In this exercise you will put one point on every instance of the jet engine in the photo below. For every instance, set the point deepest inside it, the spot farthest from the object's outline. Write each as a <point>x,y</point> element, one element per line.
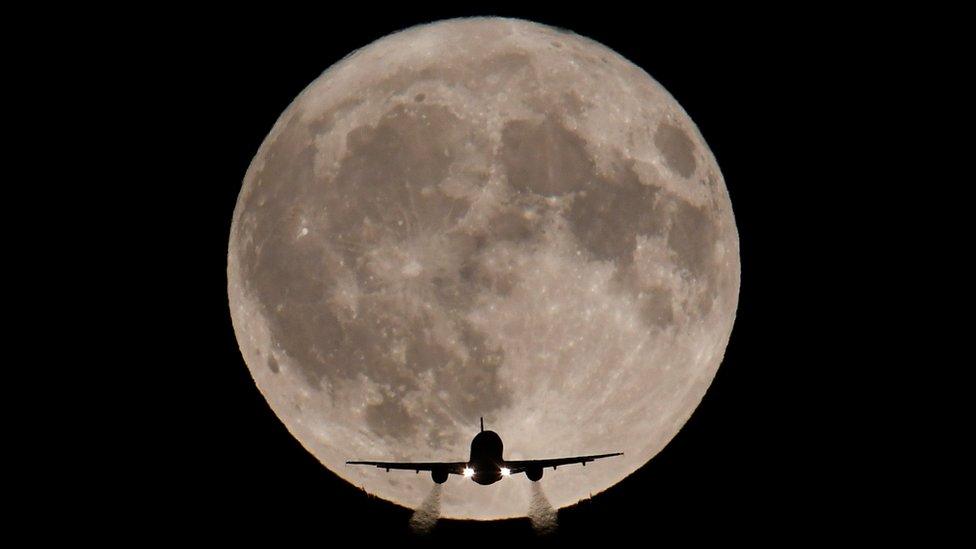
<point>439,476</point>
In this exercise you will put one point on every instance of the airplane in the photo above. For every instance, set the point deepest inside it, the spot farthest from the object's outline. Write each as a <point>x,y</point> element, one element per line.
<point>485,466</point>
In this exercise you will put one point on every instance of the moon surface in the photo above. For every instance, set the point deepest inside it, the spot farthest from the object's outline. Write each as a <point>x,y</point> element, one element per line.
<point>483,217</point>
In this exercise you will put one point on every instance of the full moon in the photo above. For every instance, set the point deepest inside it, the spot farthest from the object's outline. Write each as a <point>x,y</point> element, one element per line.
<point>483,217</point>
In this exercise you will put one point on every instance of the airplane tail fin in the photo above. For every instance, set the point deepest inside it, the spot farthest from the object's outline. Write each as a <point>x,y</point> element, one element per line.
<point>482,424</point>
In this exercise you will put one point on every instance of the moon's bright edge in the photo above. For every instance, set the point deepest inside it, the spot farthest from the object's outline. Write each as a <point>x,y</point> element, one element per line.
<point>483,217</point>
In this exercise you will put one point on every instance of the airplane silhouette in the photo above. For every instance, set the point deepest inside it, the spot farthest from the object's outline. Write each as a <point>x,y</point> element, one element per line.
<point>485,465</point>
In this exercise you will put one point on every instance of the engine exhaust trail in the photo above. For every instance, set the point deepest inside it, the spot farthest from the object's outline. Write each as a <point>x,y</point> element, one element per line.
<point>541,513</point>
<point>425,517</point>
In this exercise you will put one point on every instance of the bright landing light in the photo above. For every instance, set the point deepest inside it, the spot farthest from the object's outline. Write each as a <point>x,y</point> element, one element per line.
<point>468,472</point>
<point>506,471</point>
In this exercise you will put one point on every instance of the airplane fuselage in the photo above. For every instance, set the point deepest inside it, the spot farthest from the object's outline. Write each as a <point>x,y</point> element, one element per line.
<point>486,458</point>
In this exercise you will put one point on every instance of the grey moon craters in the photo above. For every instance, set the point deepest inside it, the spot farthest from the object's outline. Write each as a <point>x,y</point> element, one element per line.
<point>483,217</point>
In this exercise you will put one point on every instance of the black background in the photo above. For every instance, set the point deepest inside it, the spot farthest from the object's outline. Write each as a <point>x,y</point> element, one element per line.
<point>764,457</point>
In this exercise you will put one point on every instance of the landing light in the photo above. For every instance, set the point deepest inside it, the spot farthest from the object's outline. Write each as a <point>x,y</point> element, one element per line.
<point>506,471</point>
<point>468,472</point>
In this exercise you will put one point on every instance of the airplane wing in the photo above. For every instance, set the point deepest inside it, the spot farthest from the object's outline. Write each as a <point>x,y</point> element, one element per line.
<point>454,468</point>
<point>522,466</point>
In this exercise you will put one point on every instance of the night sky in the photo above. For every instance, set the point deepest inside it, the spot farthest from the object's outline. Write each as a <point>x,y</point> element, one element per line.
<point>759,460</point>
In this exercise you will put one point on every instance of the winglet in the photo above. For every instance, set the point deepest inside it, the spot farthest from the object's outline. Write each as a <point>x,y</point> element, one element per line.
<point>482,423</point>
